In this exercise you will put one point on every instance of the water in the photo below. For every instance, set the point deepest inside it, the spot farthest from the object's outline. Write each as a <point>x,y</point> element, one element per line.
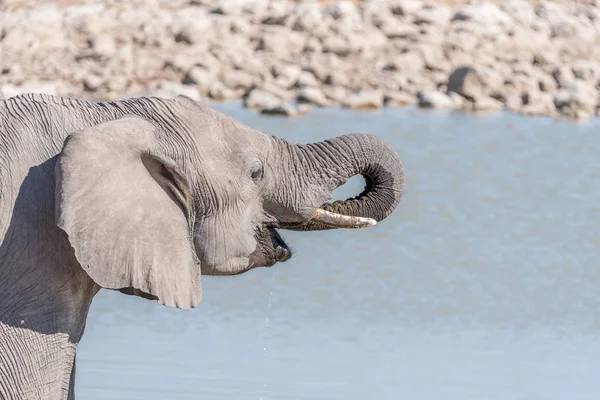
<point>483,285</point>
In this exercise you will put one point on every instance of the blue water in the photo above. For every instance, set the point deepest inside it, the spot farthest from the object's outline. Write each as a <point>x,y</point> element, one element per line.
<point>484,284</point>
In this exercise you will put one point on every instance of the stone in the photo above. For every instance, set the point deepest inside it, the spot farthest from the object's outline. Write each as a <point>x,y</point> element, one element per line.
<point>45,87</point>
<point>313,96</point>
<point>546,82</point>
<point>284,109</point>
<point>274,88</point>
<point>238,79</point>
<point>435,99</point>
<point>260,99</point>
<point>467,82</point>
<point>409,62</point>
<point>280,40</point>
<point>336,45</point>
<point>578,96</point>
<point>92,83</point>
<point>399,99</point>
<point>198,76</point>
<point>307,79</point>
<point>286,74</point>
<point>335,93</point>
<point>563,75</point>
<point>338,78</point>
<point>405,7</point>
<point>586,70</point>
<point>313,45</point>
<point>218,91</point>
<point>393,30</point>
<point>537,103</point>
<point>483,13</point>
<point>438,15</point>
<point>364,100</point>
<point>487,104</point>
<point>174,89</point>
<point>304,109</point>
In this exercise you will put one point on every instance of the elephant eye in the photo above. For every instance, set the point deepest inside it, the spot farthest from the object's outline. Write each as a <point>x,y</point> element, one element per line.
<point>258,173</point>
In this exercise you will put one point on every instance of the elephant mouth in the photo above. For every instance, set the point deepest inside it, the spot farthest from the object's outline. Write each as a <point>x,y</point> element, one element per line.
<point>270,249</point>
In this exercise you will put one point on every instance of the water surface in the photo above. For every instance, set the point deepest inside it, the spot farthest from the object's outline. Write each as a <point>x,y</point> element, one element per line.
<point>484,284</point>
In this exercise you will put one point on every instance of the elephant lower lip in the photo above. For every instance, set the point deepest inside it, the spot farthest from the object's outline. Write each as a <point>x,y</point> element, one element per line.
<point>282,254</point>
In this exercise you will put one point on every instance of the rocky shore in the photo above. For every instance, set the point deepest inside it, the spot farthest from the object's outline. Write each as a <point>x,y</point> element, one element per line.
<point>285,57</point>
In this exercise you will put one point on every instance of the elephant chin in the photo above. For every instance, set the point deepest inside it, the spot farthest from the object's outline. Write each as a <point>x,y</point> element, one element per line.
<point>270,249</point>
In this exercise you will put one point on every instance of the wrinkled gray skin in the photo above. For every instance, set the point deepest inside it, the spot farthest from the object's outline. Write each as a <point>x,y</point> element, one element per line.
<point>141,196</point>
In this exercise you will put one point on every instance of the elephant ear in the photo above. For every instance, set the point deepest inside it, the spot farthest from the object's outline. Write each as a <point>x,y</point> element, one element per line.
<point>128,212</point>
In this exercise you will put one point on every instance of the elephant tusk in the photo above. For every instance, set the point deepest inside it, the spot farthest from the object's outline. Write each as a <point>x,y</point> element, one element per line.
<point>341,221</point>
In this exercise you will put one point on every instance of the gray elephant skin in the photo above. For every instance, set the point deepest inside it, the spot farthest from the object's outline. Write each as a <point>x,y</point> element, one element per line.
<point>143,196</point>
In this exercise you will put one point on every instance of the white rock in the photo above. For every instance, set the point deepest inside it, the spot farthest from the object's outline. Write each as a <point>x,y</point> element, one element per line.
<point>284,109</point>
<point>313,96</point>
<point>261,99</point>
<point>435,99</point>
<point>364,100</point>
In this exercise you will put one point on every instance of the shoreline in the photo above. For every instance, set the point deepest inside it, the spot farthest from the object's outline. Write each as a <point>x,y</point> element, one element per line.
<point>286,58</point>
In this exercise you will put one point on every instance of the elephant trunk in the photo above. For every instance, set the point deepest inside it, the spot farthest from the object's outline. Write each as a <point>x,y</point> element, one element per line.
<point>332,162</point>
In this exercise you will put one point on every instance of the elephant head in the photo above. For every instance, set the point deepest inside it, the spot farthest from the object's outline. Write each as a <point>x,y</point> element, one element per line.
<point>153,199</point>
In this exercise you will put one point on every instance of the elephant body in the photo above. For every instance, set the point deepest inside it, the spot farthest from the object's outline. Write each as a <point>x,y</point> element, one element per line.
<point>143,196</point>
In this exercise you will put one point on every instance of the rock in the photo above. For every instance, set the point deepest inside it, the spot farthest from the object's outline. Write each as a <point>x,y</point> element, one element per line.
<point>343,9</point>
<point>307,79</point>
<point>173,89</point>
<point>336,45</point>
<point>433,57</point>
<point>409,62</point>
<point>563,75</point>
<point>92,83</point>
<point>260,99</point>
<point>546,82</point>
<point>513,103</point>
<point>537,103</point>
<point>104,46</point>
<point>587,70</point>
<point>200,77</point>
<point>405,7</point>
<point>273,88</point>
<point>284,109</point>
<point>313,45</point>
<point>483,13</point>
<point>399,99</point>
<point>487,104</point>
<point>286,74</point>
<point>218,91</point>
<point>117,84</point>
<point>467,82</point>
<point>303,109</point>
<point>51,88</point>
<point>435,99</point>
<point>313,96</point>
<point>335,93</point>
<point>393,30</point>
<point>280,40</point>
<point>364,100</point>
<point>437,15</point>
<point>575,99</point>
<point>238,79</point>
<point>338,78</point>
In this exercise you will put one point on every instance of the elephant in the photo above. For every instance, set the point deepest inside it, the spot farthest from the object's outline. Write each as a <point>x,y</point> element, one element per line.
<point>143,196</point>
